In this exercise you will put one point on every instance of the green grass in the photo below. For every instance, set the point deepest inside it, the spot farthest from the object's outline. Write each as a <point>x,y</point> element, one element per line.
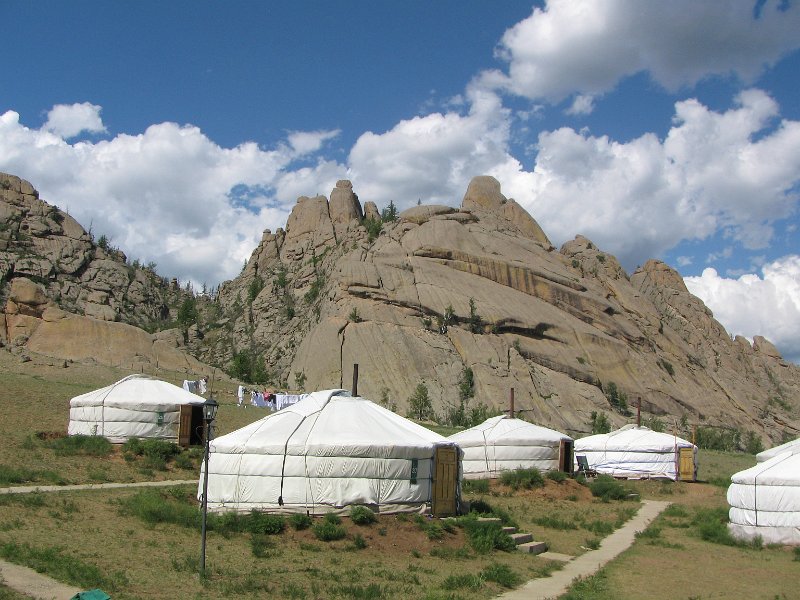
<point>56,563</point>
<point>80,445</point>
<point>329,529</point>
<point>522,479</point>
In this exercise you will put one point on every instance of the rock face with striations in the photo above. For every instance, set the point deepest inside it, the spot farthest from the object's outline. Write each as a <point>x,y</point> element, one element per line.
<point>441,290</point>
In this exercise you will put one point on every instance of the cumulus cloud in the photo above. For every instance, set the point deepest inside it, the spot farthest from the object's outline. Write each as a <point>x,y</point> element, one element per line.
<point>68,120</point>
<point>750,305</point>
<point>307,142</point>
<point>587,47</point>
<point>166,195</point>
<point>581,105</point>
<point>433,157</point>
<point>736,170</point>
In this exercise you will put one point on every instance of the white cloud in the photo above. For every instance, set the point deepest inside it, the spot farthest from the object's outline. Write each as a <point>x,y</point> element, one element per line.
<point>164,195</point>
<point>581,105</point>
<point>637,199</point>
<point>586,47</point>
<point>684,261</point>
<point>432,157</point>
<point>308,142</point>
<point>751,305</point>
<point>68,120</point>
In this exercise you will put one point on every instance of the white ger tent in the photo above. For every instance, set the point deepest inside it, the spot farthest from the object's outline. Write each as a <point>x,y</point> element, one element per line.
<point>138,406</point>
<point>503,444</point>
<point>765,500</point>
<point>639,453</point>
<point>327,452</point>
<point>772,452</point>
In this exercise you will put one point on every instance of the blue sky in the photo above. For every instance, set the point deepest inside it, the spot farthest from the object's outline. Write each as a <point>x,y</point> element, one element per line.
<point>182,130</point>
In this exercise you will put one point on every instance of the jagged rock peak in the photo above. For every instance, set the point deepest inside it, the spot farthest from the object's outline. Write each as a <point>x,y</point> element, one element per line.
<point>483,196</point>
<point>344,204</point>
<point>662,275</point>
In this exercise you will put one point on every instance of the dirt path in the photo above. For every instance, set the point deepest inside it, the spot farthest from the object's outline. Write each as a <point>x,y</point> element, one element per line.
<point>29,582</point>
<point>28,489</point>
<point>589,563</point>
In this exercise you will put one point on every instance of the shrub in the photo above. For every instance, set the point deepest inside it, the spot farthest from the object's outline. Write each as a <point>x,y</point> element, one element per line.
<point>475,486</point>
<point>329,529</point>
<point>361,515</point>
<point>501,574</point>
<point>261,522</point>
<point>480,506</point>
<point>465,580</point>
<point>359,543</point>
<point>607,488</point>
<point>487,536</point>
<point>522,478</point>
<point>752,443</point>
<point>712,526</point>
<point>152,506</point>
<point>83,445</point>
<point>600,422</point>
<point>300,521</point>
<point>557,476</point>
<point>420,406</point>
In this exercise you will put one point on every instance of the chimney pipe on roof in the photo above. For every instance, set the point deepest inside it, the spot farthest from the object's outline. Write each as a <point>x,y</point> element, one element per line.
<point>355,380</point>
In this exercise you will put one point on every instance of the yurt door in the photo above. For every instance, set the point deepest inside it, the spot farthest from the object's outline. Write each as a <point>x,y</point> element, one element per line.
<point>445,481</point>
<point>185,427</point>
<point>687,464</point>
<point>565,456</point>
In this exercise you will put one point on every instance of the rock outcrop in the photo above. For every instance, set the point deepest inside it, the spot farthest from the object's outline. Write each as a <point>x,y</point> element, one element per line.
<point>441,290</point>
<point>67,297</point>
<point>427,296</point>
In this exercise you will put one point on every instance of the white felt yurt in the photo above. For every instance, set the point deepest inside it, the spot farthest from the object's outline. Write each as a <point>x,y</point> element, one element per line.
<point>639,453</point>
<point>137,406</point>
<point>765,500</point>
<point>327,452</point>
<point>503,444</point>
<point>772,452</point>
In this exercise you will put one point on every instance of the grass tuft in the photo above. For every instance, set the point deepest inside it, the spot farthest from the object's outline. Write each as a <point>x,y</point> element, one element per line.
<point>329,529</point>
<point>607,488</point>
<point>501,574</point>
<point>80,445</point>
<point>523,479</point>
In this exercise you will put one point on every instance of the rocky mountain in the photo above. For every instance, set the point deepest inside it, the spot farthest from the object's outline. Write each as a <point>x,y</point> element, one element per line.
<point>68,297</point>
<point>471,302</point>
<point>436,291</point>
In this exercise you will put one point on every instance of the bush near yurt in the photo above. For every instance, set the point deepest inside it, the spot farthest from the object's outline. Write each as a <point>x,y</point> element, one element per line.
<point>522,479</point>
<point>80,445</point>
<point>607,488</point>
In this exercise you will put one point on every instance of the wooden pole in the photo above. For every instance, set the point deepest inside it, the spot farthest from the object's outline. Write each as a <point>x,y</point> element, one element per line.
<point>639,411</point>
<point>355,380</point>
<point>511,400</point>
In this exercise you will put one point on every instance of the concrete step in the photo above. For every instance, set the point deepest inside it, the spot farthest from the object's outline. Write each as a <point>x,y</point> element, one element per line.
<point>532,547</point>
<point>489,520</point>
<point>509,530</point>
<point>522,538</point>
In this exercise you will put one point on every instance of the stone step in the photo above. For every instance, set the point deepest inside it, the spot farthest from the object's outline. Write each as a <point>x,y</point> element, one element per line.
<point>509,530</point>
<point>522,538</point>
<point>532,547</point>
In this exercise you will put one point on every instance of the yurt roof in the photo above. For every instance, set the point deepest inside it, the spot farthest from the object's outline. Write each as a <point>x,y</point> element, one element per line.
<point>508,431</point>
<point>782,469</point>
<point>331,423</point>
<point>632,438</point>
<point>772,452</point>
<point>138,392</point>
